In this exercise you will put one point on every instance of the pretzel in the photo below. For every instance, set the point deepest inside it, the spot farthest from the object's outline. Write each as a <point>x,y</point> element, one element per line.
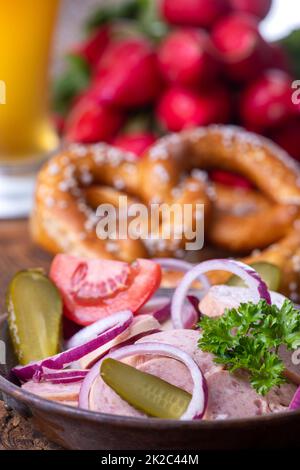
<point>285,254</point>
<point>244,220</point>
<point>74,182</point>
<point>267,166</point>
<point>62,220</point>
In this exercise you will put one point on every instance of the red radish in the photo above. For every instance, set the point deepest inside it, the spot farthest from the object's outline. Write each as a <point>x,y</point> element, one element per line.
<point>180,108</point>
<point>186,58</point>
<point>90,122</point>
<point>137,142</point>
<point>279,58</point>
<point>288,137</point>
<point>259,8</point>
<point>128,74</point>
<point>266,102</point>
<point>201,13</point>
<point>241,47</point>
<point>94,289</point>
<point>93,48</point>
<point>230,179</point>
<point>177,109</point>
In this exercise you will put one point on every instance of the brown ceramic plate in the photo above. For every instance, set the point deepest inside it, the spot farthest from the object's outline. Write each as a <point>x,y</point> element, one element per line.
<point>79,429</point>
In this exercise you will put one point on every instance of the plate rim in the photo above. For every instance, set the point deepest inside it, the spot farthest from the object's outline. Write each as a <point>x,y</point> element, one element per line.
<point>29,399</point>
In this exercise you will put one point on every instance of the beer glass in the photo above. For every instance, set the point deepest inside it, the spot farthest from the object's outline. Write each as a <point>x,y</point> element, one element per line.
<point>27,135</point>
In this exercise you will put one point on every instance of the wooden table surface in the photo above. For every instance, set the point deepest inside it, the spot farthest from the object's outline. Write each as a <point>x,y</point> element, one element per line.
<point>18,252</point>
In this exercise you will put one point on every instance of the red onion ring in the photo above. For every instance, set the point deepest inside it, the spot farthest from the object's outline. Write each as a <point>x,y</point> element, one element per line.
<point>154,304</point>
<point>190,312</point>
<point>295,403</point>
<point>141,324</point>
<point>134,339</point>
<point>59,376</point>
<point>90,332</point>
<point>116,325</point>
<point>163,314</point>
<point>182,266</point>
<point>246,273</point>
<point>198,402</point>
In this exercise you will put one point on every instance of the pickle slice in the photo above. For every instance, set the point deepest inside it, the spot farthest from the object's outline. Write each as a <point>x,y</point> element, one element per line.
<point>34,311</point>
<point>270,273</point>
<point>143,391</point>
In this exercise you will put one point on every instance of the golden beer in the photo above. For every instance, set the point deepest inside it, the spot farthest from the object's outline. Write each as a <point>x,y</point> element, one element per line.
<point>26,28</point>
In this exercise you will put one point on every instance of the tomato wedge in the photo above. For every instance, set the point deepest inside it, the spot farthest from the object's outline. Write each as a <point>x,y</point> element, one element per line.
<point>92,288</point>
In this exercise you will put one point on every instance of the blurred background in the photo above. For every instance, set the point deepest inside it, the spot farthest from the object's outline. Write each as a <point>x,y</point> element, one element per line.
<point>127,72</point>
<point>237,68</point>
<point>281,20</point>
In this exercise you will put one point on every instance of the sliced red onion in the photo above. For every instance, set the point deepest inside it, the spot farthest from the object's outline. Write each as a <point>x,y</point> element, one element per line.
<point>141,324</point>
<point>246,273</point>
<point>84,393</point>
<point>190,312</point>
<point>182,266</point>
<point>158,307</point>
<point>163,314</point>
<point>295,403</point>
<point>154,304</point>
<point>134,339</point>
<point>198,402</point>
<point>116,325</point>
<point>59,376</point>
<point>89,332</point>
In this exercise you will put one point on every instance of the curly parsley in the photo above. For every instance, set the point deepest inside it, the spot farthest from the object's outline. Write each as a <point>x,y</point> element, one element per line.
<point>248,338</point>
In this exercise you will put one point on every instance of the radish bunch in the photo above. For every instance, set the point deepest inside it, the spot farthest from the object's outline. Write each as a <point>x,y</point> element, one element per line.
<point>210,65</point>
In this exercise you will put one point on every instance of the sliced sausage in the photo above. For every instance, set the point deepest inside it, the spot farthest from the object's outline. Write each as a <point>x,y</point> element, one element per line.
<point>73,403</point>
<point>105,400</point>
<point>279,398</point>
<point>291,361</point>
<point>231,396</point>
<point>221,297</point>
<point>139,325</point>
<point>187,341</point>
<point>218,298</point>
<point>55,392</point>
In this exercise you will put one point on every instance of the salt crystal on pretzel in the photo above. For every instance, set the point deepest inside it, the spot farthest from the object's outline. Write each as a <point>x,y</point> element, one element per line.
<point>170,172</point>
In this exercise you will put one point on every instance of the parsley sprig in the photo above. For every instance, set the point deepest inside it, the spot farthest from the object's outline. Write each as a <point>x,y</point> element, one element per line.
<point>248,338</point>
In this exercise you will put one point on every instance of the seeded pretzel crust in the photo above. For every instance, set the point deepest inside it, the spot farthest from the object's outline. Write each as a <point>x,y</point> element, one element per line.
<point>245,220</point>
<point>77,180</point>
<point>74,182</point>
<point>62,219</point>
<point>270,168</point>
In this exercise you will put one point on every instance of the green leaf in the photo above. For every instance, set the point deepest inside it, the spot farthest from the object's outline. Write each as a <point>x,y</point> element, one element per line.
<point>248,338</point>
<point>107,13</point>
<point>291,45</point>
<point>73,81</point>
<point>150,22</point>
